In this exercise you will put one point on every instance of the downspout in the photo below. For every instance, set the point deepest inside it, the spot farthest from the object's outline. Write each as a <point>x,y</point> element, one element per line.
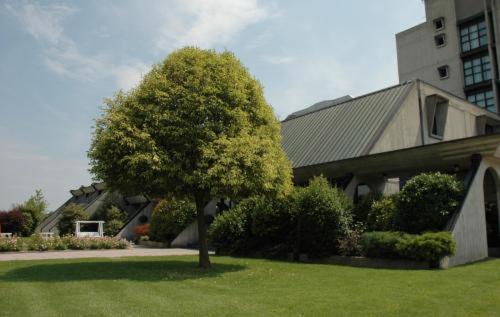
<point>420,112</point>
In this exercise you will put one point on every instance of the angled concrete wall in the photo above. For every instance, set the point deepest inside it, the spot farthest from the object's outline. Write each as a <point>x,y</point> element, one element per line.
<point>469,230</point>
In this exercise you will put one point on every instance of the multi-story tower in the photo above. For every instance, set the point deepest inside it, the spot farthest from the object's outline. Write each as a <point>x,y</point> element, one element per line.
<point>455,49</point>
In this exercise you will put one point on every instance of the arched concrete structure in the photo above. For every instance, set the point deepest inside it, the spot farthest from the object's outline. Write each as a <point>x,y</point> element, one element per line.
<point>469,226</point>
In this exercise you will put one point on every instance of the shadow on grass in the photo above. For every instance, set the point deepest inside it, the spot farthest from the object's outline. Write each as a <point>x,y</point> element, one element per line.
<point>151,271</point>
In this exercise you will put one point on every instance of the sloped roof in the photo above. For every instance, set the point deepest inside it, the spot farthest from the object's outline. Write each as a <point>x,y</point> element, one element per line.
<point>319,106</point>
<point>343,130</point>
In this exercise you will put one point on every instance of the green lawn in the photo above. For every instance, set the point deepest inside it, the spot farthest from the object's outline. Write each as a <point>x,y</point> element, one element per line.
<point>175,286</point>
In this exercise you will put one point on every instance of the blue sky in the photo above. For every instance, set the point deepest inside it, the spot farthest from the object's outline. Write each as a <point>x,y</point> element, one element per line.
<point>58,60</point>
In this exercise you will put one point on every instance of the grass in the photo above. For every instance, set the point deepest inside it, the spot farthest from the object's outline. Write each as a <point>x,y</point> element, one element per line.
<point>173,286</point>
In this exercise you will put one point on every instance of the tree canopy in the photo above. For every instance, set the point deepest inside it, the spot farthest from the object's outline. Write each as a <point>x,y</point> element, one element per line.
<point>197,125</point>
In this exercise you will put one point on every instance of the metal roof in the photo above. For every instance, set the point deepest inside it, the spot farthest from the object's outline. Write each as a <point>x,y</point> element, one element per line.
<point>341,131</point>
<point>319,106</point>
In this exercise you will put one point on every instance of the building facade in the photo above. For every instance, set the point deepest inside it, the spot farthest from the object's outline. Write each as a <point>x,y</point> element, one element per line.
<point>455,49</point>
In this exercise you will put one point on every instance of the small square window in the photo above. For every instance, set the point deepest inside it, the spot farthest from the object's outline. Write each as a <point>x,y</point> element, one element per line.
<point>439,24</point>
<point>440,40</point>
<point>443,71</point>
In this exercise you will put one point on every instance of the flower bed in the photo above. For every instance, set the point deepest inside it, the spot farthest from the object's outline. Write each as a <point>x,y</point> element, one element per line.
<point>37,243</point>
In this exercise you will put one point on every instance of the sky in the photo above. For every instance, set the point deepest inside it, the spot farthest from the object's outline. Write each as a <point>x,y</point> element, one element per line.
<point>59,60</point>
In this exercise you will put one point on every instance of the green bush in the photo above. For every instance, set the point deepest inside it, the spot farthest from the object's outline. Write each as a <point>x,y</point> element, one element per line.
<point>170,217</point>
<point>427,201</point>
<point>112,227</point>
<point>69,215</point>
<point>361,210</point>
<point>324,217</point>
<point>430,246</point>
<point>350,244</point>
<point>229,232</point>
<point>379,244</point>
<point>381,213</point>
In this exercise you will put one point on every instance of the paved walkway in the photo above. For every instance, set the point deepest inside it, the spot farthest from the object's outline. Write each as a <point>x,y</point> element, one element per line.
<point>79,254</point>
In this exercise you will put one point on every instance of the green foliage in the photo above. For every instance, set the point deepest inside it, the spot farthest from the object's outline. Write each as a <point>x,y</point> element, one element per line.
<point>110,212</point>
<point>10,244</point>
<point>381,213</point>
<point>379,244</point>
<point>36,205</point>
<point>256,224</point>
<point>430,246</point>
<point>69,215</point>
<point>350,244</point>
<point>229,232</point>
<point>37,243</point>
<point>427,201</point>
<point>362,208</point>
<point>324,216</point>
<point>169,218</point>
<point>198,123</point>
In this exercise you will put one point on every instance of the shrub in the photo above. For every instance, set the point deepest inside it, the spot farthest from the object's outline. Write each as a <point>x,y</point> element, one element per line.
<point>229,232</point>
<point>379,244</point>
<point>170,217</point>
<point>141,230</point>
<point>362,208</point>
<point>430,246</point>
<point>10,244</point>
<point>14,221</point>
<point>381,213</point>
<point>350,244</point>
<point>37,243</point>
<point>112,227</point>
<point>69,215</point>
<point>34,208</point>
<point>324,217</point>
<point>427,201</point>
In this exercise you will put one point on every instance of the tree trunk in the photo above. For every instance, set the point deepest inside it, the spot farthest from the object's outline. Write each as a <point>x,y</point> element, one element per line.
<point>204,260</point>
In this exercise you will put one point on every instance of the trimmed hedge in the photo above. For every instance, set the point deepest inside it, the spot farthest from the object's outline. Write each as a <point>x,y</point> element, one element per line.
<point>430,246</point>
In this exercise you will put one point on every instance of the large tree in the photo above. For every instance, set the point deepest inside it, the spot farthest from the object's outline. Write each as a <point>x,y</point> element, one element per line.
<point>197,125</point>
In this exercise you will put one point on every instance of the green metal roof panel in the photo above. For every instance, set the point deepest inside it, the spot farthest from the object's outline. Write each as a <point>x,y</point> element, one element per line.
<point>342,131</point>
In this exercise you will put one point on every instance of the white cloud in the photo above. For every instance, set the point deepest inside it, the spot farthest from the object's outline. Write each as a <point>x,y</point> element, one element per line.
<point>62,55</point>
<point>205,23</point>
<point>276,60</point>
<point>23,170</point>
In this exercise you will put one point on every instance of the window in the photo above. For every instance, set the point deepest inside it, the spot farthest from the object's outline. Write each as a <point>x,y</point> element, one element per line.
<point>437,111</point>
<point>483,98</point>
<point>477,70</point>
<point>439,24</point>
<point>361,191</point>
<point>473,35</point>
<point>440,40</point>
<point>443,71</point>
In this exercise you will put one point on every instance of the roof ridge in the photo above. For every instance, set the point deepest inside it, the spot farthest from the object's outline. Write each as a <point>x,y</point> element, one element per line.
<point>350,100</point>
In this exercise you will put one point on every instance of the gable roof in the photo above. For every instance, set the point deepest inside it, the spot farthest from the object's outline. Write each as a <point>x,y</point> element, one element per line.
<point>343,130</point>
<point>319,106</point>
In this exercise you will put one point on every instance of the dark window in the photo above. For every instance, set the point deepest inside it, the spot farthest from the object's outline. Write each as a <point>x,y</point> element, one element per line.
<point>439,24</point>
<point>443,71</point>
<point>361,191</point>
<point>483,98</point>
<point>439,119</point>
<point>477,70</point>
<point>488,129</point>
<point>440,40</point>
<point>473,35</point>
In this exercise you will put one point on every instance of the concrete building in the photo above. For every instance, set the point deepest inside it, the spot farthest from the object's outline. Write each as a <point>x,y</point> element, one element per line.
<point>377,141</point>
<point>455,49</point>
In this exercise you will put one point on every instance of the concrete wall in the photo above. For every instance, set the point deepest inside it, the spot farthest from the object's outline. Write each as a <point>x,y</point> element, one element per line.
<point>189,236</point>
<point>418,56</point>
<point>405,129</point>
<point>469,230</point>
<point>127,231</point>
